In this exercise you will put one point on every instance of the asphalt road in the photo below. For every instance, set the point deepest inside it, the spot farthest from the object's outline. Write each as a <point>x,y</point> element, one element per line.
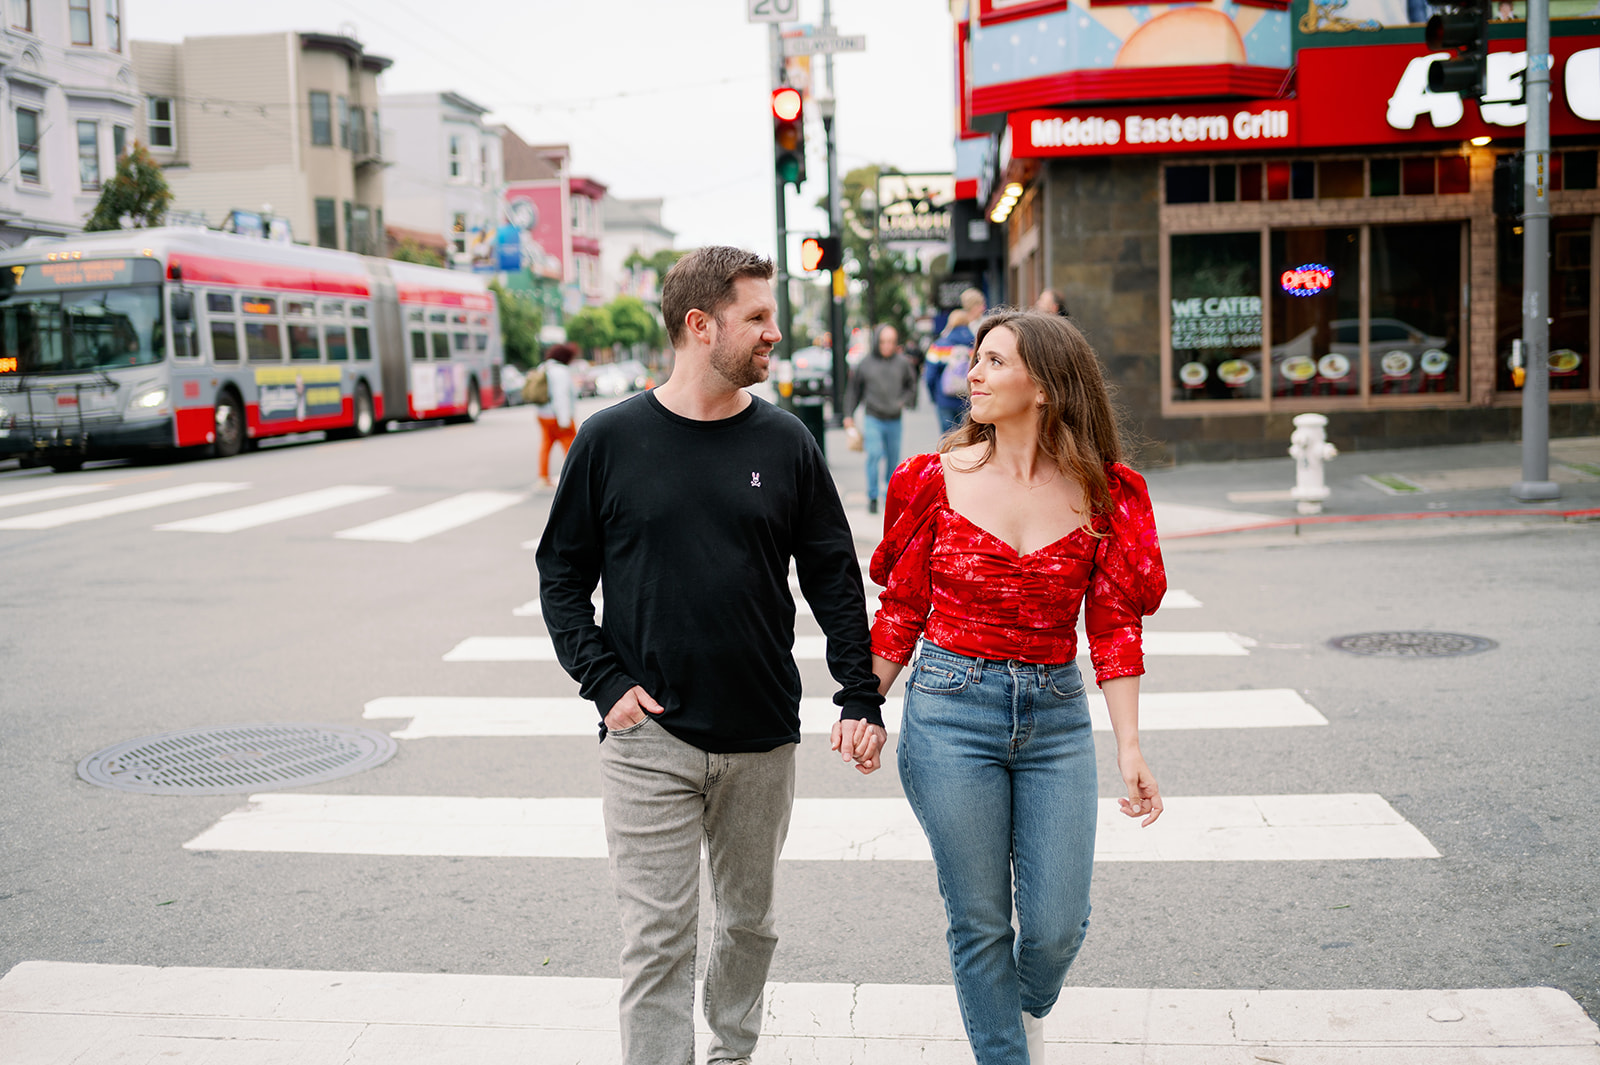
<point>112,630</point>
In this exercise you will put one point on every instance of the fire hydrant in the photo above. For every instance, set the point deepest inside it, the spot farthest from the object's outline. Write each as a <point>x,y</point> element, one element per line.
<point>1309,448</point>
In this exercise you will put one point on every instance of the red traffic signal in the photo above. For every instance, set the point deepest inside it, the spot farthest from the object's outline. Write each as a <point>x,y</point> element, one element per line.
<point>789,135</point>
<point>820,253</point>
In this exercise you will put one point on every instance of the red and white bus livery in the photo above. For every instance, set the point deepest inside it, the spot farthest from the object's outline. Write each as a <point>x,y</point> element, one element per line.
<point>120,342</point>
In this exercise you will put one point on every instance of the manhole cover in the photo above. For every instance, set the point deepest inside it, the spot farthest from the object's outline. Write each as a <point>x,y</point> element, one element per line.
<point>1412,644</point>
<point>231,759</point>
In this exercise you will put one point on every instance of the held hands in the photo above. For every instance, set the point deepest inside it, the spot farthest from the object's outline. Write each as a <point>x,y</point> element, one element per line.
<point>1144,795</point>
<point>859,742</point>
<point>630,709</point>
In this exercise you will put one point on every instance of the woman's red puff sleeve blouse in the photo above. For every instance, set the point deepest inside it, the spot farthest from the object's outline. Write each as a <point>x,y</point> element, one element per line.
<point>968,591</point>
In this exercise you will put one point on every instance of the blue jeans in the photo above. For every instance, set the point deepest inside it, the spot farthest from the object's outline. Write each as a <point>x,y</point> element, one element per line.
<point>882,439</point>
<point>997,760</point>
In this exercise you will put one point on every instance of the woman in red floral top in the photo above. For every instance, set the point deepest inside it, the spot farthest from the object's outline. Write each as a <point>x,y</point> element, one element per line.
<point>990,548</point>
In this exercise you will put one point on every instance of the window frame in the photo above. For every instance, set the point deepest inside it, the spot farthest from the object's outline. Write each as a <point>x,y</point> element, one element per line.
<point>342,117</point>
<point>86,9</point>
<point>332,221</point>
<point>93,158</point>
<point>321,129</point>
<point>113,10</point>
<point>169,124</point>
<point>27,148</point>
<point>26,25</point>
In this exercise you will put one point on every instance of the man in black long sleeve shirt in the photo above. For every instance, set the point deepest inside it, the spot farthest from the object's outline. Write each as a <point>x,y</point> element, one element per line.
<point>688,503</point>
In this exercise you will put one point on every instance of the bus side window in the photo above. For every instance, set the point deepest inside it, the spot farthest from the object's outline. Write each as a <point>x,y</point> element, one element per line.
<point>334,337</point>
<point>303,345</point>
<point>363,345</point>
<point>419,346</point>
<point>482,341</point>
<point>185,341</point>
<point>463,341</point>
<point>223,327</point>
<point>441,346</point>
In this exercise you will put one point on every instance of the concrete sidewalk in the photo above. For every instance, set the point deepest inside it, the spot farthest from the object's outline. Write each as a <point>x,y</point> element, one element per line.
<point>1468,481</point>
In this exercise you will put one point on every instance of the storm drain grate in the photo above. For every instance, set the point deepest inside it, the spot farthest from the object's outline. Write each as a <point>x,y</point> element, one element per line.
<point>1412,644</point>
<point>232,759</point>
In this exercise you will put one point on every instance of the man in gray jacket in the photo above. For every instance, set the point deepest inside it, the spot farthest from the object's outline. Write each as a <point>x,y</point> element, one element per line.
<point>886,382</point>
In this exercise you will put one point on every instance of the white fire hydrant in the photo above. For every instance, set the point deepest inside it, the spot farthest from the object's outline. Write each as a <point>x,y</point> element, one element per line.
<point>1310,449</point>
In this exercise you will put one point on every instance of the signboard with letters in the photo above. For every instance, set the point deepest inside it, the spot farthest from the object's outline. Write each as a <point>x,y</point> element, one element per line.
<point>915,208</point>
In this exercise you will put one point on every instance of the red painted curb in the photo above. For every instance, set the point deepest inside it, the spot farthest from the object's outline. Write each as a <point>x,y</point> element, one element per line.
<point>1344,519</point>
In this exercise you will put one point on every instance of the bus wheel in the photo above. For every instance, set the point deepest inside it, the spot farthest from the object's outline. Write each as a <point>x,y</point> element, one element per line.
<point>364,423</point>
<point>474,406</point>
<point>67,464</point>
<point>230,427</point>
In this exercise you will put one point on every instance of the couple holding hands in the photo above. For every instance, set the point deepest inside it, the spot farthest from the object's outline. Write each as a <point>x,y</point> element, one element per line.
<point>690,501</point>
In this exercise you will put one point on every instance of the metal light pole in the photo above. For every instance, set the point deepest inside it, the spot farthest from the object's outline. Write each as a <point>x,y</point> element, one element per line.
<point>785,371</point>
<point>869,204</point>
<point>1536,483</point>
<point>836,322</point>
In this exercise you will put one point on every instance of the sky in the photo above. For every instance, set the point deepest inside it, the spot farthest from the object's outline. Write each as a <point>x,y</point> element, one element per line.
<point>667,98</point>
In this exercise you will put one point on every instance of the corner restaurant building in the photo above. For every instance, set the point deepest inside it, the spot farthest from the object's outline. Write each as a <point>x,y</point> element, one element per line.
<point>1287,221</point>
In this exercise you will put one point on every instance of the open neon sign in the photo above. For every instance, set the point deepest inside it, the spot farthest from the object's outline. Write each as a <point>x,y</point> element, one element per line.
<point>1309,280</point>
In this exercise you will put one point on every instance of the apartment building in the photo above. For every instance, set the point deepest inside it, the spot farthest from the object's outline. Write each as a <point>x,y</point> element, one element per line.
<point>631,228</point>
<point>283,124</point>
<point>68,110</point>
<point>444,174</point>
<point>559,216</point>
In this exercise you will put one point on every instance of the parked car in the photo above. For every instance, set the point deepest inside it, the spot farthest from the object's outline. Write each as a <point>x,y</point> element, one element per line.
<point>582,377</point>
<point>620,378</point>
<point>813,371</point>
<point>511,382</point>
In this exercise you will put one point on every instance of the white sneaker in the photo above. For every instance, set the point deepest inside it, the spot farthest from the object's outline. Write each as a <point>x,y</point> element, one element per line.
<point>1033,1027</point>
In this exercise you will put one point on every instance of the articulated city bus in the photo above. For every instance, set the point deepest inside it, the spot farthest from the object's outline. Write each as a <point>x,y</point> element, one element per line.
<point>133,340</point>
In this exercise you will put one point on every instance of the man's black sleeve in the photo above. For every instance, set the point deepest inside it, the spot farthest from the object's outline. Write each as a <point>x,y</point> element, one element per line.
<point>569,557</point>
<point>830,580</point>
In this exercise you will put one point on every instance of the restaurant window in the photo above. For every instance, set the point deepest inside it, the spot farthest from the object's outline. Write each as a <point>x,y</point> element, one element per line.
<point>321,119</point>
<point>1216,316</point>
<point>1571,311</point>
<point>1225,182</point>
<point>162,128</point>
<point>1385,177</point>
<point>1414,324</point>
<point>1579,170</point>
<point>78,19</point>
<point>327,224</point>
<point>1303,179</point>
<point>1341,179</point>
<point>28,145</point>
<point>89,155</point>
<point>1250,182</point>
<point>1316,312</point>
<point>1188,184</point>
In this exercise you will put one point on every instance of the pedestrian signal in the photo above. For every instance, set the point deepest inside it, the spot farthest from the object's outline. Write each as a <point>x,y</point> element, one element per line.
<point>789,135</point>
<point>820,253</point>
<point>1465,30</point>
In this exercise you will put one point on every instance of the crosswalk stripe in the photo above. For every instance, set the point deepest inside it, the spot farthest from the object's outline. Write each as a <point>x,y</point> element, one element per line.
<point>500,716</point>
<point>73,1011</point>
<point>44,495</point>
<point>1242,828</point>
<point>814,648</point>
<point>413,525</point>
<point>295,506</point>
<point>105,508</point>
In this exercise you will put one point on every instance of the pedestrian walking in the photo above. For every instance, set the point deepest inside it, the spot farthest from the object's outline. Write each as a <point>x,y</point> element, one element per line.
<point>558,419</point>
<point>947,387</point>
<point>886,383</point>
<point>688,502</point>
<point>990,549</point>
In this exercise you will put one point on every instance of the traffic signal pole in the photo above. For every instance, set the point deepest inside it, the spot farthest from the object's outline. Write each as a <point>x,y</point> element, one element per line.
<point>1536,483</point>
<point>781,258</point>
<point>836,315</point>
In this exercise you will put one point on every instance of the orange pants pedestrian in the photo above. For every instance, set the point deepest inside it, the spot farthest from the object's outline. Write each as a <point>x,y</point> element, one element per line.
<point>551,434</point>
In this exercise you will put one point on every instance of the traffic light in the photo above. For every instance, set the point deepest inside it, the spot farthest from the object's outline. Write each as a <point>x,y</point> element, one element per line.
<point>789,135</point>
<point>821,253</point>
<point>1465,29</point>
<point>1508,179</point>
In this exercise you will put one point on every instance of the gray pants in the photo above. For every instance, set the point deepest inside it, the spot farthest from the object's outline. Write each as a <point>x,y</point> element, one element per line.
<point>662,797</point>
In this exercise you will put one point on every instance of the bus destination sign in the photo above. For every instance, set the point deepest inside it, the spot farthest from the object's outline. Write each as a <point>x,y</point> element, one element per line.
<point>77,273</point>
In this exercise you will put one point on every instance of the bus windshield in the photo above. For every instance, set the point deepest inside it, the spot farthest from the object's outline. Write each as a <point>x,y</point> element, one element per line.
<point>83,329</point>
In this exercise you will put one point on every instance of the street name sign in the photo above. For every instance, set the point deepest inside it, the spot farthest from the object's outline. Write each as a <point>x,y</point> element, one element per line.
<point>820,45</point>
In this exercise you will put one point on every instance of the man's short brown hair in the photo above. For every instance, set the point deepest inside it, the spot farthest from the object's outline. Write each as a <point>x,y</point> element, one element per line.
<point>704,281</point>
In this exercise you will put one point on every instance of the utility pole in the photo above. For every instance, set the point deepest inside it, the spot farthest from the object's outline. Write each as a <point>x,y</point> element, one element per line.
<point>1536,483</point>
<point>836,316</point>
<point>781,259</point>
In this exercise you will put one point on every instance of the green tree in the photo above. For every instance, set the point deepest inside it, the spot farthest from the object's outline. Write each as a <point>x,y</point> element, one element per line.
<point>660,262</point>
<point>520,322</point>
<point>410,251</point>
<point>137,194</point>
<point>632,323</point>
<point>591,328</point>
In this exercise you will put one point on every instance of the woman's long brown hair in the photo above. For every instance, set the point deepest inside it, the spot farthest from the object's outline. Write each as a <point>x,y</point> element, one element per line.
<point>1077,427</point>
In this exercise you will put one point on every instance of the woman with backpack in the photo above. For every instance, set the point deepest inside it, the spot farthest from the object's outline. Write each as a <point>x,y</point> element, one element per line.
<point>558,422</point>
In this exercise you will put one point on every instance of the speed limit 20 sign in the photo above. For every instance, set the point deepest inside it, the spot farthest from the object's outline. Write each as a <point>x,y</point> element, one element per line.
<point>773,10</point>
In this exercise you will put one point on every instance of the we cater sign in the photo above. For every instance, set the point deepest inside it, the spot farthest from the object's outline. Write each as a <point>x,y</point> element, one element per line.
<point>1379,94</point>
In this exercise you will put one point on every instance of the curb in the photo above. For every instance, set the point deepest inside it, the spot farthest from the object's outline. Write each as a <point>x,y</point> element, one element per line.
<point>1346,519</point>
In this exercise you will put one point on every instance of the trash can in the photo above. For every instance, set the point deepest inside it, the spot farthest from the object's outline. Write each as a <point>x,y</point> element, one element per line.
<point>809,409</point>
